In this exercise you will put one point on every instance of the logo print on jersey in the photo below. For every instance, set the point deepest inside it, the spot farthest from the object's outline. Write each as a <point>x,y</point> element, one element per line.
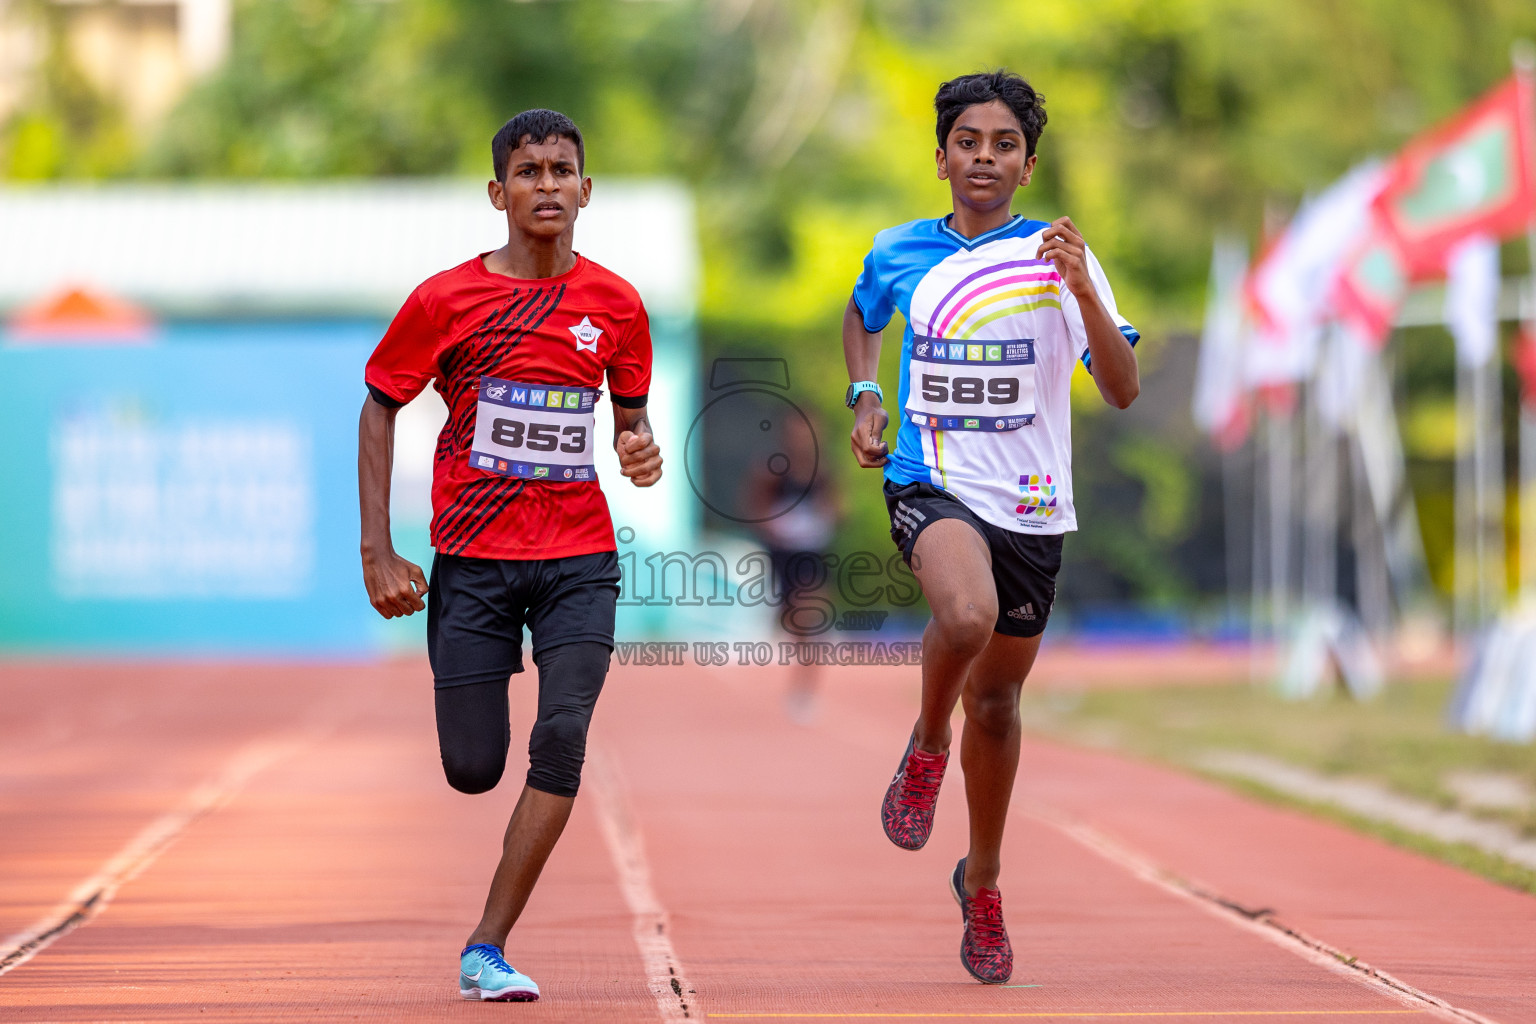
<point>1037,495</point>
<point>586,335</point>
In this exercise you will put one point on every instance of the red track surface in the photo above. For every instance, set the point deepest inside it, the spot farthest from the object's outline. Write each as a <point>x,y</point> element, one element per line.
<point>324,871</point>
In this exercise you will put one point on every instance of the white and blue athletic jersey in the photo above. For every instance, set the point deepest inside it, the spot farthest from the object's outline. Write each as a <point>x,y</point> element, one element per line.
<point>986,366</point>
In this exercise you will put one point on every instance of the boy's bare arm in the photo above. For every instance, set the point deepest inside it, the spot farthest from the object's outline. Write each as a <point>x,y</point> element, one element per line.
<point>395,584</point>
<point>861,351</point>
<point>1112,358</point>
<point>635,443</point>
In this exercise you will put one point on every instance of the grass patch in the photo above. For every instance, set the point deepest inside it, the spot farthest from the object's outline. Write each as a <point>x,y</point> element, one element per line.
<point>1399,740</point>
<point>1469,858</point>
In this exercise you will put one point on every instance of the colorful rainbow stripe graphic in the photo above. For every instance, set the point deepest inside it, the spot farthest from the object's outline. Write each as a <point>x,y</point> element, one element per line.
<point>993,293</point>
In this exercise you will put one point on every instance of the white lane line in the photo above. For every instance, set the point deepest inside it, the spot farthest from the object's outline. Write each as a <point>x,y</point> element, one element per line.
<point>1263,923</point>
<point>1257,922</point>
<point>91,896</point>
<point>675,997</point>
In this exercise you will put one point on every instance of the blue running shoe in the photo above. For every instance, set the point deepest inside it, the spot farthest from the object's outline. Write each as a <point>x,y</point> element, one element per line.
<point>485,974</point>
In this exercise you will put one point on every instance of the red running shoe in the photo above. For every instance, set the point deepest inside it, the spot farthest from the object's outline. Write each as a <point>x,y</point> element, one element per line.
<point>907,811</point>
<point>985,949</point>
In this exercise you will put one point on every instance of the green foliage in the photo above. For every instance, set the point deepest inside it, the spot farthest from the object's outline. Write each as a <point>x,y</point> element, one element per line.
<point>65,129</point>
<point>806,125</point>
<point>340,87</point>
<point>1168,119</point>
<point>1166,487</point>
<point>316,88</point>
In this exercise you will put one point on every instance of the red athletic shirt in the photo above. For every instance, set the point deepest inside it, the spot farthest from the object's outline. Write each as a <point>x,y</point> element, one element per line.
<point>466,322</point>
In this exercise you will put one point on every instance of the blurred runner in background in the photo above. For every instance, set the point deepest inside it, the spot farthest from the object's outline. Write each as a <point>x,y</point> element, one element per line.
<point>797,543</point>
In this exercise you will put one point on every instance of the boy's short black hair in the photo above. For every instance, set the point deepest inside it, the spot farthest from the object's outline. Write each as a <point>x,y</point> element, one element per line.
<point>536,126</point>
<point>968,90</point>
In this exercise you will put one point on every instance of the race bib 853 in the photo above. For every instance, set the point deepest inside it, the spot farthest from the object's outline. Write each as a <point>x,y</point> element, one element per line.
<point>954,385</point>
<point>534,431</point>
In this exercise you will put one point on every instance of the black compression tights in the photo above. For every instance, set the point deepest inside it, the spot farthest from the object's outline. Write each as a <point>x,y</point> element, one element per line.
<point>473,732</point>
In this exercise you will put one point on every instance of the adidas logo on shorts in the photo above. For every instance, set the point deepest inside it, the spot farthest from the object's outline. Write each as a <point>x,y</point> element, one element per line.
<point>906,518</point>
<point>1027,612</point>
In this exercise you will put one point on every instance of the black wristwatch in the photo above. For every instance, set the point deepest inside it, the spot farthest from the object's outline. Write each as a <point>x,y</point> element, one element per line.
<point>858,387</point>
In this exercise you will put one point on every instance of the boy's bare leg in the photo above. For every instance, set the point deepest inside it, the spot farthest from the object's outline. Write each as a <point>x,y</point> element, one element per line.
<point>954,566</point>
<point>989,748</point>
<point>537,821</point>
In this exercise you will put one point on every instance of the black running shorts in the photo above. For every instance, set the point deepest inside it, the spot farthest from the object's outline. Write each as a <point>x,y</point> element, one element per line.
<point>1024,565</point>
<point>477,608</point>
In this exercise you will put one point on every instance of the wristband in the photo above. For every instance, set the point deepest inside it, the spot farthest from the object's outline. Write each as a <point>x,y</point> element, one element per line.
<point>858,387</point>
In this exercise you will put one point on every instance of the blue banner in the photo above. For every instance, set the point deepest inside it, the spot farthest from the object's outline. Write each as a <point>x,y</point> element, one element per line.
<point>197,494</point>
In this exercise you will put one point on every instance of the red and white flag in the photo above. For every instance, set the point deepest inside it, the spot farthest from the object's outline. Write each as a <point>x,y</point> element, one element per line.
<point>1473,175</point>
<point>1291,289</point>
<point>1221,402</point>
<point>1372,284</point>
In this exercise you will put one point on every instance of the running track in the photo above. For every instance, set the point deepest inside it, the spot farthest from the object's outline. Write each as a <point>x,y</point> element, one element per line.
<point>267,843</point>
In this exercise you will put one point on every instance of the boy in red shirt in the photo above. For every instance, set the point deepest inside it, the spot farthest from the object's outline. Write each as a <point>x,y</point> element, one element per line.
<point>518,342</point>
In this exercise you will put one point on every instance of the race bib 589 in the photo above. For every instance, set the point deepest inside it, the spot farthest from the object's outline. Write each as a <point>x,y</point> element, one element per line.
<point>971,386</point>
<point>534,431</point>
